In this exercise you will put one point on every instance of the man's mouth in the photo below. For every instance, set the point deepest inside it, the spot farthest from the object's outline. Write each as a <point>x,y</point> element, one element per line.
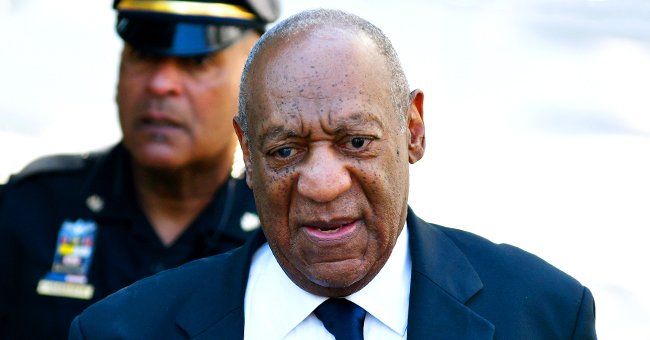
<point>330,230</point>
<point>159,128</point>
<point>158,122</point>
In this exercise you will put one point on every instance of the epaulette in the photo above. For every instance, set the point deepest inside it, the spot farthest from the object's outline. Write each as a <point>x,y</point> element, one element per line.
<point>50,164</point>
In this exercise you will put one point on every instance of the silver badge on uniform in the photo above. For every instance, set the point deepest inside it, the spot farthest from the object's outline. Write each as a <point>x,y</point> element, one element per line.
<point>74,251</point>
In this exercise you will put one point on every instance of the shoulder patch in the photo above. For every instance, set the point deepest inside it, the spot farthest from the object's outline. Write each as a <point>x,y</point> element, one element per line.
<point>49,164</point>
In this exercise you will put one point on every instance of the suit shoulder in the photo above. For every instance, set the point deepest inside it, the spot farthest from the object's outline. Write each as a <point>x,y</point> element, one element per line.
<point>505,260</point>
<point>166,289</point>
<point>182,276</point>
<point>150,308</point>
<point>518,285</point>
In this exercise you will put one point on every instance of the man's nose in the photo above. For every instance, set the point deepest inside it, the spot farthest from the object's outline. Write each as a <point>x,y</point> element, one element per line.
<point>324,176</point>
<point>166,78</point>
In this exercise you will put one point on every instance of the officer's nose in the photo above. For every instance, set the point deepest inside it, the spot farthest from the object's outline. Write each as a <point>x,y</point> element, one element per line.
<point>324,176</point>
<point>166,78</point>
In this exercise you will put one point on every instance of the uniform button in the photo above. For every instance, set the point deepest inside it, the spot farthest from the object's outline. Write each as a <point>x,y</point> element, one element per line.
<point>95,203</point>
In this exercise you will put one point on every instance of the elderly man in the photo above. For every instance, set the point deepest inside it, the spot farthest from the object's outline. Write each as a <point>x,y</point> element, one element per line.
<point>74,229</point>
<point>328,128</point>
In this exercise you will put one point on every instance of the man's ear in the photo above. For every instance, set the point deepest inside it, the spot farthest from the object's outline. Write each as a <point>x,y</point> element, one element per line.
<point>243,143</point>
<point>415,124</point>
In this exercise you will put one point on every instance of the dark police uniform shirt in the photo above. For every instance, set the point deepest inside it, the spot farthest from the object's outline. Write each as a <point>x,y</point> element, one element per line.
<point>119,248</point>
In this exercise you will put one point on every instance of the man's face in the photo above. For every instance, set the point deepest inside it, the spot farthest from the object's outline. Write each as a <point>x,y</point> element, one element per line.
<point>176,112</point>
<point>328,162</point>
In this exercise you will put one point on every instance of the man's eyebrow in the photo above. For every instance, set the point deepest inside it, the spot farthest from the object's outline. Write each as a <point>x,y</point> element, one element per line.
<point>339,124</point>
<point>278,133</point>
<point>356,119</point>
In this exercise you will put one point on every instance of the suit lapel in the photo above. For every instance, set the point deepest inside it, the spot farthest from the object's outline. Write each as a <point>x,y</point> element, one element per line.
<point>215,310</point>
<point>442,281</point>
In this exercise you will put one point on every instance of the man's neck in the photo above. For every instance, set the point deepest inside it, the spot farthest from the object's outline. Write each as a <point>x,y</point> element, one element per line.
<point>172,200</point>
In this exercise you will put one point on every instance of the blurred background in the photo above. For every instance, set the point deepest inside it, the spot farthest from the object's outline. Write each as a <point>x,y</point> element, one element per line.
<point>537,115</point>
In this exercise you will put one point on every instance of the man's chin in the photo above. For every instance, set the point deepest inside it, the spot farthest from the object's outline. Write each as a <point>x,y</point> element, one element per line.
<point>329,284</point>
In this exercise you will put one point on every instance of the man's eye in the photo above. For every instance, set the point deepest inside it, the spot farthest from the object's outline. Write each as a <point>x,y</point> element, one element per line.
<point>284,152</point>
<point>359,142</point>
<point>198,61</point>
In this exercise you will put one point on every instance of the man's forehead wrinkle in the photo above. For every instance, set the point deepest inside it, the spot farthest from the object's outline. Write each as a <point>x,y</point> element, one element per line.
<point>295,125</point>
<point>309,87</point>
<point>307,81</point>
<point>335,123</point>
<point>308,91</point>
<point>279,132</point>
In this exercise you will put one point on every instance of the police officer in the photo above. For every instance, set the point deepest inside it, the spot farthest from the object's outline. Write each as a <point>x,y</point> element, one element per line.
<point>74,229</point>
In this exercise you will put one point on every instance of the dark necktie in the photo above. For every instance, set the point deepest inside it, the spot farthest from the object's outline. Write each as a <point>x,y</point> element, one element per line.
<point>342,318</point>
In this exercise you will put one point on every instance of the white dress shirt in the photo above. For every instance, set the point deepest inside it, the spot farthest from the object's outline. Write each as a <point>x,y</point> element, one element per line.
<point>276,308</point>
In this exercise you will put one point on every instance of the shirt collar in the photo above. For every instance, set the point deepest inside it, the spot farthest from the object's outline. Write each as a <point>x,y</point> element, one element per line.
<point>386,297</point>
<point>280,312</point>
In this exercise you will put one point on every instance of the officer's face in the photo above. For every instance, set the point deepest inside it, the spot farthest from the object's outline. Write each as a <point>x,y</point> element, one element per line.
<point>177,112</point>
<point>328,163</point>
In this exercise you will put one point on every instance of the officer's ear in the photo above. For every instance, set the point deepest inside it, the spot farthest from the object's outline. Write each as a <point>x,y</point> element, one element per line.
<point>243,143</point>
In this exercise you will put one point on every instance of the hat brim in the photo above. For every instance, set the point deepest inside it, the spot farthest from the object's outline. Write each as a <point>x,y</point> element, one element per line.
<point>178,38</point>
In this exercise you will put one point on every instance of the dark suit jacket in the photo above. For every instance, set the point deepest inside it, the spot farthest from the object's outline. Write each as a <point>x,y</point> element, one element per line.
<point>462,287</point>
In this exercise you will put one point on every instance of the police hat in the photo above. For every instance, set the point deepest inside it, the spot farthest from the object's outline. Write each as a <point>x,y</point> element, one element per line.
<point>190,28</point>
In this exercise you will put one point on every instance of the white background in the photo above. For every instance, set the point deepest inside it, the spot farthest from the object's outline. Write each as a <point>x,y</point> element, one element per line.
<point>537,117</point>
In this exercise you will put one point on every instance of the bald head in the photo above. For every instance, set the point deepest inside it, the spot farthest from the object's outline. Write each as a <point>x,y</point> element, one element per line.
<point>328,130</point>
<point>299,27</point>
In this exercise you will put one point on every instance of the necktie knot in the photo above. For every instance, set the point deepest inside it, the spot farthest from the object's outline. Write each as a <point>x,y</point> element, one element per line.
<point>343,318</point>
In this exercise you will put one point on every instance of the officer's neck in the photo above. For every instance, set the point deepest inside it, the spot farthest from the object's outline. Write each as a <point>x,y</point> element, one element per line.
<point>173,199</point>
